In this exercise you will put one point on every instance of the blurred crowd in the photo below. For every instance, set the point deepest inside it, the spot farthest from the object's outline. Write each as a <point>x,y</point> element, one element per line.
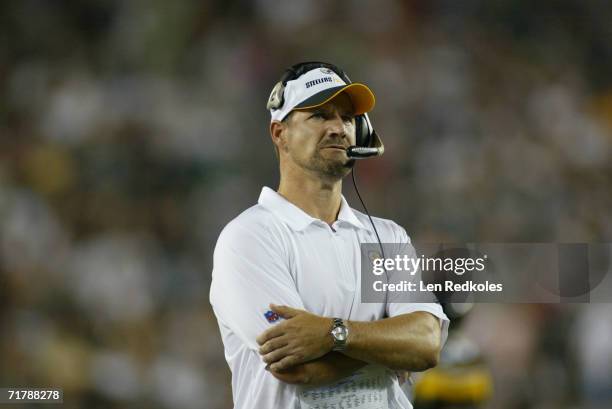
<point>131,132</point>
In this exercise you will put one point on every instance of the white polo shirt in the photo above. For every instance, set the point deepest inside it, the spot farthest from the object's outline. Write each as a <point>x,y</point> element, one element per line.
<point>275,253</point>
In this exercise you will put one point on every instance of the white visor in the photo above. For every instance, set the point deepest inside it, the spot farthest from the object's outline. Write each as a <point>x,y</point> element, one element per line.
<point>317,87</point>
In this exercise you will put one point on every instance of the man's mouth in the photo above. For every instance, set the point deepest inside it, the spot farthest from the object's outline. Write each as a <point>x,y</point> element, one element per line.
<point>341,147</point>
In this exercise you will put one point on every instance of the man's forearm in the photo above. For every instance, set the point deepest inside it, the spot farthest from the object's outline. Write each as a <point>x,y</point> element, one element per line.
<point>325,370</point>
<point>408,342</point>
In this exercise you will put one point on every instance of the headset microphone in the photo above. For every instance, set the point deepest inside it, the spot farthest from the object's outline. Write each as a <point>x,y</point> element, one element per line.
<point>375,148</point>
<point>361,152</point>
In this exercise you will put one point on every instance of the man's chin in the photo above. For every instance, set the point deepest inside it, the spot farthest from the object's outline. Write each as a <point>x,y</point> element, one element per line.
<point>350,163</point>
<point>339,169</point>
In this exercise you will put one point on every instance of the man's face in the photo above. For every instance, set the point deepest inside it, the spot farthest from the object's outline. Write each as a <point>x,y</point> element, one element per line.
<point>316,139</point>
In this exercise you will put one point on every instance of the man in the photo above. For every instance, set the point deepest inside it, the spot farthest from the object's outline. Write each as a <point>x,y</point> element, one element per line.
<point>287,270</point>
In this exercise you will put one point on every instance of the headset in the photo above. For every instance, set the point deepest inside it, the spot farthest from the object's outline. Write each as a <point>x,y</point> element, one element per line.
<point>367,141</point>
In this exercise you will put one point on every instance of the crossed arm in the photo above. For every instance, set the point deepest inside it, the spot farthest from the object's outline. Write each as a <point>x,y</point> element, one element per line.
<point>298,350</point>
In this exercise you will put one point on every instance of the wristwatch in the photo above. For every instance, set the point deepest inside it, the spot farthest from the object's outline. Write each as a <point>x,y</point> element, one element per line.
<point>339,333</point>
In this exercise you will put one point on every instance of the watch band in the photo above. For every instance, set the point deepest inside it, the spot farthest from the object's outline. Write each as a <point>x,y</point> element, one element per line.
<point>339,333</point>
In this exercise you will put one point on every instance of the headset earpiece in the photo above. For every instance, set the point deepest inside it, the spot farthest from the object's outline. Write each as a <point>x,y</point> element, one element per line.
<point>362,133</point>
<point>275,101</point>
<point>277,96</point>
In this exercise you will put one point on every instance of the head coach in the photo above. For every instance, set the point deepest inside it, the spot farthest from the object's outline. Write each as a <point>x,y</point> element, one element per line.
<point>286,276</point>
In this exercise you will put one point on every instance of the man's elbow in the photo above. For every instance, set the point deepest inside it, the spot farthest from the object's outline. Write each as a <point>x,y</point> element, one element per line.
<point>423,361</point>
<point>432,350</point>
<point>432,344</point>
<point>431,359</point>
<point>427,357</point>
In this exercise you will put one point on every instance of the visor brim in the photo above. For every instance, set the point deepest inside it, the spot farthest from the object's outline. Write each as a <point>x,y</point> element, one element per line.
<point>362,98</point>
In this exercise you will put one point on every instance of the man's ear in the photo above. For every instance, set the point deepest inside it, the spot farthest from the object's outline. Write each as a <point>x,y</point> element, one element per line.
<point>277,133</point>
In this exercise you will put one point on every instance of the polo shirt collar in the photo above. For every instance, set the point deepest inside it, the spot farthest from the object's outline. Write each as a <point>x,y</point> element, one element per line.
<point>347,215</point>
<point>295,217</point>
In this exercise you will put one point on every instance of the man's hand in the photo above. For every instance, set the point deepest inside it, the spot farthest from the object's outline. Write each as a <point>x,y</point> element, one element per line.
<point>296,375</point>
<point>327,370</point>
<point>302,337</point>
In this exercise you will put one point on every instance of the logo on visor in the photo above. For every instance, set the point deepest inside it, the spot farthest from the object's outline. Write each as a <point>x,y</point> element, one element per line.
<point>318,81</point>
<point>327,71</point>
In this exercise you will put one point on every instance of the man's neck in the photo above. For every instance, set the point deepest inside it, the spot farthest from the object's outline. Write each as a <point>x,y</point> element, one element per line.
<point>318,198</point>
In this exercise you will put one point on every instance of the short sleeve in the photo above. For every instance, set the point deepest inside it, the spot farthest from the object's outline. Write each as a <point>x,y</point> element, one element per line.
<point>397,304</point>
<point>250,272</point>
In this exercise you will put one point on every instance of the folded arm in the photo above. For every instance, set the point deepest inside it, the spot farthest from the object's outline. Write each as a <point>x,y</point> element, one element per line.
<point>409,342</point>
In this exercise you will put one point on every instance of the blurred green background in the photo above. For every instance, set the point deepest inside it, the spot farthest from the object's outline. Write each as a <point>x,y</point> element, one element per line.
<point>132,131</point>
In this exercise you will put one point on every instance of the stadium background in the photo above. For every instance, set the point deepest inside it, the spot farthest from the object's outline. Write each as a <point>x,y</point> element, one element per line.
<point>132,131</point>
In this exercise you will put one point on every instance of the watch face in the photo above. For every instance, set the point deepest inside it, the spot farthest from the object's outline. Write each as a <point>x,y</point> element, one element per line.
<point>339,333</point>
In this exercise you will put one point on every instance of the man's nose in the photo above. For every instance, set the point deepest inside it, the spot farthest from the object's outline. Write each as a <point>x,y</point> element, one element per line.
<point>337,125</point>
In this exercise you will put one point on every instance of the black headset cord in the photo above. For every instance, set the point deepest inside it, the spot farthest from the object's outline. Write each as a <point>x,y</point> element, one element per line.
<point>366,210</point>
<point>382,250</point>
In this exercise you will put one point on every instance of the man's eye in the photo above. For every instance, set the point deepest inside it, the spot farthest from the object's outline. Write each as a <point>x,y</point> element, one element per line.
<point>318,115</point>
<point>347,118</point>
